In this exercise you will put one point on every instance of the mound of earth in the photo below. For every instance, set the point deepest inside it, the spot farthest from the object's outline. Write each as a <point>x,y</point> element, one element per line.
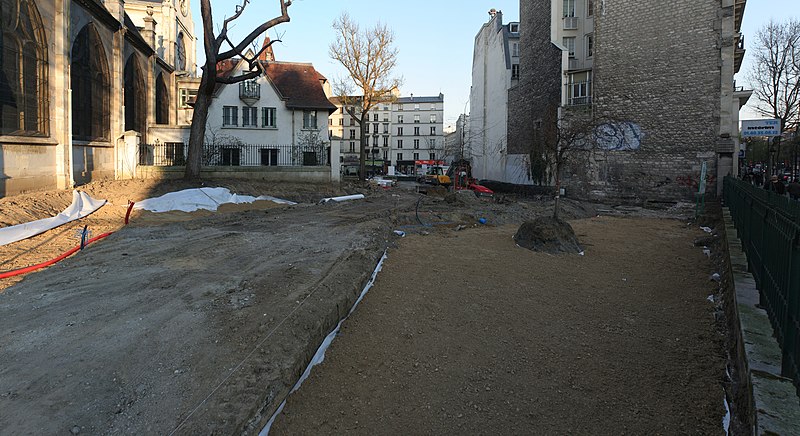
<point>547,234</point>
<point>463,197</point>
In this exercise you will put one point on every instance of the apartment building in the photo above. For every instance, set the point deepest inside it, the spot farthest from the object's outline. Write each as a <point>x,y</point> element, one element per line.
<point>399,132</point>
<point>418,131</point>
<point>495,69</point>
<point>660,75</point>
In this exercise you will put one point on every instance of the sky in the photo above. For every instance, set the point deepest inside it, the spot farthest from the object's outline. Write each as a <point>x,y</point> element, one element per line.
<point>435,38</point>
<point>756,14</point>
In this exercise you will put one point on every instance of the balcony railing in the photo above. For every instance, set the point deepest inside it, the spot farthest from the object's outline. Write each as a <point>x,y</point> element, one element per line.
<point>249,90</point>
<point>580,101</point>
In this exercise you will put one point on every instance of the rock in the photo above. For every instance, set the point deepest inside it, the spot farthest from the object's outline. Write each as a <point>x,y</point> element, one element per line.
<point>75,430</point>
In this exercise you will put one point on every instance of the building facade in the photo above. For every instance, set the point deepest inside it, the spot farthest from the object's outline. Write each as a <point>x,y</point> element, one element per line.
<point>79,80</point>
<point>279,118</point>
<point>495,69</point>
<point>399,132</point>
<point>662,76</point>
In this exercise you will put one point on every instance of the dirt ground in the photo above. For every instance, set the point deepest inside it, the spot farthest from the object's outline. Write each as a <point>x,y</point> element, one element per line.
<point>201,323</point>
<point>619,341</point>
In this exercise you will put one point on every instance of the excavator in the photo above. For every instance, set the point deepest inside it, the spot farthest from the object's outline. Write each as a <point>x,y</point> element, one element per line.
<point>460,172</point>
<point>436,176</point>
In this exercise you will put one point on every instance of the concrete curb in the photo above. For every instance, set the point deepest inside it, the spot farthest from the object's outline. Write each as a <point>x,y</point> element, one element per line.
<point>775,404</point>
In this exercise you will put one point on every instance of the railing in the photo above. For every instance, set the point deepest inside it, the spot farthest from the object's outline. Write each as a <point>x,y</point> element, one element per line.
<point>175,154</point>
<point>769,228</point>
<point>249,89</point>
<point>580,101</point>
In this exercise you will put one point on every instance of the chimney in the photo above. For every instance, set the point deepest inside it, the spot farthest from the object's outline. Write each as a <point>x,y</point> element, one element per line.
<point>267,55</point>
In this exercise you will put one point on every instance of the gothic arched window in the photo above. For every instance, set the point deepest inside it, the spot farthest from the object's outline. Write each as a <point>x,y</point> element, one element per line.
<point>180,53</point>
<point>162,100</point>
<point>89,79</point>
<point>23,70</point>
<point>135,92</point>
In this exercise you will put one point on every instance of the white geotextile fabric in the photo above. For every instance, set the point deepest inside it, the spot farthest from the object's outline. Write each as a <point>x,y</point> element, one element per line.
<point>190,200</point>
<point>82,205</point>
<point>319,356</point>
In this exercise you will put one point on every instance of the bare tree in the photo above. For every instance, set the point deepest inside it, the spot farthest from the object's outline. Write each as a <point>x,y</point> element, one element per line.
<point>565,138</point>
<point>775,76</point>
<point>369,56</point>
<point>214,54</point>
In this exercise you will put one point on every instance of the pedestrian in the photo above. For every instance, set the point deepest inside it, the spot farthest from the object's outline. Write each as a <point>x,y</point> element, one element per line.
<point>794,189</point>
<point>758,178</point>
<point>776,185</point>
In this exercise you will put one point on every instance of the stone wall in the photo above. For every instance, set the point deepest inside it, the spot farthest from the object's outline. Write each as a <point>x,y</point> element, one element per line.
<point>538,92</point>
<point>657,70</point>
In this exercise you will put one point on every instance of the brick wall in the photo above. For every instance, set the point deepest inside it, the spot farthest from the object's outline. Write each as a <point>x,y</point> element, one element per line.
<point>657,68</point>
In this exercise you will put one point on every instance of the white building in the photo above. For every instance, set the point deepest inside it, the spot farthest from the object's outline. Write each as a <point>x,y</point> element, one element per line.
<point>495,69</point>
<point>276,119</point>
<point>402,131</point>
<point>418,130</point>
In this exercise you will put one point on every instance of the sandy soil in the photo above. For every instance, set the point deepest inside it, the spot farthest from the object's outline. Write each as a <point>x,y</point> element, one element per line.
<point>467,333</point>
<point>201,323</point>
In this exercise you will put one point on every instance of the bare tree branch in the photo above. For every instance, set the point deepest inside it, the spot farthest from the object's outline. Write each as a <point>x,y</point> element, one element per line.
<point>210,78</point>
<point>775,76</point>
<point>369,58</point>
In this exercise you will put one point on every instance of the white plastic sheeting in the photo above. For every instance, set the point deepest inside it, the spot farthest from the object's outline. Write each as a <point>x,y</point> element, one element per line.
<point>82,205</point>
<point>343,198</point>
<point>319,356</point>
<point>190,200</point>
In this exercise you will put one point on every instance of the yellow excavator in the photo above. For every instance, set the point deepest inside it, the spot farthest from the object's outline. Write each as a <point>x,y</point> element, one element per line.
<point>436,176</point>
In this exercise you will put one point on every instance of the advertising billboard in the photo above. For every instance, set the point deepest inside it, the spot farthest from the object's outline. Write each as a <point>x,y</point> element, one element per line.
<point>768,127</point>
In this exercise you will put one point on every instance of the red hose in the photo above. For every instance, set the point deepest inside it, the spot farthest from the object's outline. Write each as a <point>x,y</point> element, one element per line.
<point>31,268</point>
<point>128,213</point>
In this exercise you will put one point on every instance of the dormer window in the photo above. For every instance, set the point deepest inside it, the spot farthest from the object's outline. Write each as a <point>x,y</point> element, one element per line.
<point>513,27</point>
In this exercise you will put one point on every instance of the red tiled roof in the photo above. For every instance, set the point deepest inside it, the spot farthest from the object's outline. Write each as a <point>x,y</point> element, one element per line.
<point>300,84</point>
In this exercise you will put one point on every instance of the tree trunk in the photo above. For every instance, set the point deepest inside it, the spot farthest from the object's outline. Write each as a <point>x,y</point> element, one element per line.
<point>556,204</point>
<point>363,125</point>
<point>198,130</point>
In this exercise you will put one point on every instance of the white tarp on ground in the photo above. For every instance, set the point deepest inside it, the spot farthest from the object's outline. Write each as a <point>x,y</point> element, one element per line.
<point>190,200</point>
<point>82,205</point>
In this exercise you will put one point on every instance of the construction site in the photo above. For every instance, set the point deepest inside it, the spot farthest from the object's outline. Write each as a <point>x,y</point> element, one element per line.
<point>204,322</point>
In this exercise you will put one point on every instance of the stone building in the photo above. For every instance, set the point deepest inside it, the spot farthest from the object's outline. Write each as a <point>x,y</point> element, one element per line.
<point>399,132</point>
<point>79,80</point>
<point>659,75</point>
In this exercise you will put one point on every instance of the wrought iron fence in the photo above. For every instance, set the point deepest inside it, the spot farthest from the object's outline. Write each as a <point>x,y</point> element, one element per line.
<point>769,228</point>
<point>175,154</point>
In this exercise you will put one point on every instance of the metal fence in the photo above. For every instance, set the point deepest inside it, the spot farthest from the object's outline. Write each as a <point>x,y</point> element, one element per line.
<point>175,153</point>
<point>769,228</point>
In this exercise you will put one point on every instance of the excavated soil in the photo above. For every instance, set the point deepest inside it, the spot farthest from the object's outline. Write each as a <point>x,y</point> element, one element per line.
<point>549,235</point>
<point>196,323</point>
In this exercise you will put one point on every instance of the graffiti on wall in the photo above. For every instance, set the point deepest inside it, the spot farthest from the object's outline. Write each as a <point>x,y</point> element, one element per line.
<point>693,180</point>
<point>619,136</point>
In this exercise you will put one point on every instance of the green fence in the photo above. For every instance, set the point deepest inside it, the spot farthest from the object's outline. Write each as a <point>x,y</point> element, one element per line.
<point>769,228</point>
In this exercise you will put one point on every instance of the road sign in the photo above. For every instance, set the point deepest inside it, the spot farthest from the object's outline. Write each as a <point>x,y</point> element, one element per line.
<point>769,127</point>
